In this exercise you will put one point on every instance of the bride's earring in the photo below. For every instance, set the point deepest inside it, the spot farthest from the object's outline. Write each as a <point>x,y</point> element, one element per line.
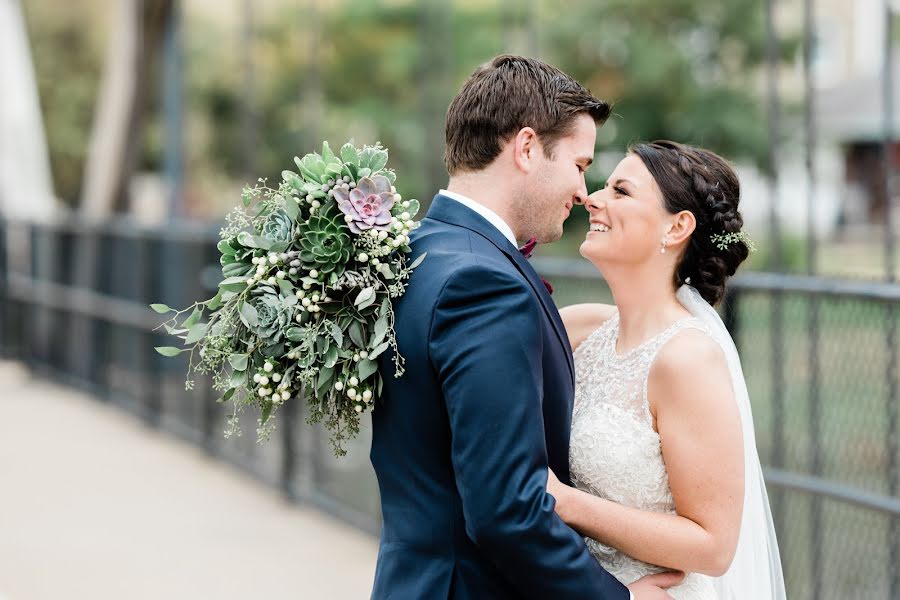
<point>665,243</point>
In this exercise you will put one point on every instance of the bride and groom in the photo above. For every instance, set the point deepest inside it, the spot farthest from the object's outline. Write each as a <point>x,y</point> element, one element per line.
<point>509,468</point>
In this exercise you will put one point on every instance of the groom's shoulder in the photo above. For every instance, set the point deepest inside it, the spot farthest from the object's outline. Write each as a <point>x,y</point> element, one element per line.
<point>451,249</point>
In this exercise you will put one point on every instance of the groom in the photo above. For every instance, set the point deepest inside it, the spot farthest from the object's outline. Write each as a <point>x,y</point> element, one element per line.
<point>462,442</point>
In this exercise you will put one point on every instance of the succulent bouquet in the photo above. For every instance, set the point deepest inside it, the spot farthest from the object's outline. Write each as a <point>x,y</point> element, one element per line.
<point>304,308</point>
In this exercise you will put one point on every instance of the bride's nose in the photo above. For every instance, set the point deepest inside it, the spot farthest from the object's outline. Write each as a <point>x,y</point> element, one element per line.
<point>595,201</point>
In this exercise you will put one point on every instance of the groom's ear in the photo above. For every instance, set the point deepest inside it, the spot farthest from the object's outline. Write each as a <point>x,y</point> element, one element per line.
<point>683,226</point>
<point>526,146</point>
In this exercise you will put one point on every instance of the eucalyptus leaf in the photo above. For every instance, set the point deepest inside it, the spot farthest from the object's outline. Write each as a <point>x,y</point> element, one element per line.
<point>215,302</point>
<point>291,208</point>
<point>323,381</point>
<point>161,308</point>
<point>193,319</point>
<point>295,334</point>
<point>367,302</point>
<point>365,295</point>
<point>337,334</point>
<point>378,350</point>
<point>249,315</point>
<point>366,367</point>
<point>233,284</point>
<point>418,260</point>
<point>237,269</point>
<point>195,333</point>
<point>238,379</point>
<point>286,287</point>
<point>266,412</point>
<point>169,350</point>
<point>381,328</point>
<point>227,395</point>
<point>356,334</point>
<point>238,361</point>
<point>331,356</point>
<point>385,271</point>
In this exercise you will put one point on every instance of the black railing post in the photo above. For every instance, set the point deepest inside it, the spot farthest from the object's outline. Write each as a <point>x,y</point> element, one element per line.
<point>892,409</point>
<point>816,526</point>
<point>777,309</point>
<point>288,417</point>
<point>5,329</point>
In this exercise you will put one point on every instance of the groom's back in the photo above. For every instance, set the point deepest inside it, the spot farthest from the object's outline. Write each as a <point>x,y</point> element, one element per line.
<point>424,530</point>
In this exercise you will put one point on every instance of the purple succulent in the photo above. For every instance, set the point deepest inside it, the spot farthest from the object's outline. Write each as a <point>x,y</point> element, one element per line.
<point>368,205</point>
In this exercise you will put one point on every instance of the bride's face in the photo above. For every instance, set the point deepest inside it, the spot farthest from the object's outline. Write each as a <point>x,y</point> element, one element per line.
<point>628,220</point>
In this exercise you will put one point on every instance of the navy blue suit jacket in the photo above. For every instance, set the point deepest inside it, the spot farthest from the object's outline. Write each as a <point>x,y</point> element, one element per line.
<point>461,442</point>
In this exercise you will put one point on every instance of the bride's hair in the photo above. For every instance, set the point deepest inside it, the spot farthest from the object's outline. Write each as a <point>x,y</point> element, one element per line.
<point>703,183</point>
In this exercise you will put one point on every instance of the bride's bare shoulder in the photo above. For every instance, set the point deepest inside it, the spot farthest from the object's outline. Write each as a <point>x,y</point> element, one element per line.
<point>581,320</point>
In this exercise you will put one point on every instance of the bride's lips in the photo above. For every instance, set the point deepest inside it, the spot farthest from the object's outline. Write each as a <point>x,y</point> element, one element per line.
<point>596,222</point>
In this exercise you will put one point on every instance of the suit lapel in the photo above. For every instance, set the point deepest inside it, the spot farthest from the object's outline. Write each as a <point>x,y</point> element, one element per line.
<point>452,212</point>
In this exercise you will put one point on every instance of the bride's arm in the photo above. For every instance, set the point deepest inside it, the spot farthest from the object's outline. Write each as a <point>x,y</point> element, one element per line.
<point>580,320</point>
<point>700,431</point>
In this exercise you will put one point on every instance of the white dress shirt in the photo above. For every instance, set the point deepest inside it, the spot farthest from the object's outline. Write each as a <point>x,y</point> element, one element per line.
<point>495,220</point>
<point>492,217</point>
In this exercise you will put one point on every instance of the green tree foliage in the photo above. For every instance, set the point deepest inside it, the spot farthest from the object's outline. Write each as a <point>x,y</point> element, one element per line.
<point>689,70</point>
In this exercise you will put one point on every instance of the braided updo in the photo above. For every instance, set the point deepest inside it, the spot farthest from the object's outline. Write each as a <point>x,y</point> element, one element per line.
<point>703,183</point>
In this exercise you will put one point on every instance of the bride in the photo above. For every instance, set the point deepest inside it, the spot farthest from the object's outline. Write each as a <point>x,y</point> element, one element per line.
<point>662,449</point>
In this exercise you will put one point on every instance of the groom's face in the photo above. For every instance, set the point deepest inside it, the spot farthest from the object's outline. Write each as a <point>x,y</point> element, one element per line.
<point>557,183</point>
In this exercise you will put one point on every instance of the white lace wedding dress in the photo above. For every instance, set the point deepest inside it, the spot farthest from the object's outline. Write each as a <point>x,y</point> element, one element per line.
<point>614,451</point>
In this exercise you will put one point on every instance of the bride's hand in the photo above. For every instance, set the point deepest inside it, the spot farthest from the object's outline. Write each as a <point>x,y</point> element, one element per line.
<point>653,587</point>
<point>559,491</point>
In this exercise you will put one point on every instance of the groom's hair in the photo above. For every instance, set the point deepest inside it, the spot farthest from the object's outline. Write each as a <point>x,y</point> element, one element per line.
<point>502,97</point>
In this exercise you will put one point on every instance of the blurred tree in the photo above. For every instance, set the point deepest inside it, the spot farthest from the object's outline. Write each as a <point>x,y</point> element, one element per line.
<point>67,49</point>
<point>380,70</point>
<point>681,69</point>
<point>117,137</point>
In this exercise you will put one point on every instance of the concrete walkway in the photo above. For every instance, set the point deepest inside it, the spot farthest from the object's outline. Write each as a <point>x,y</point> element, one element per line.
<point>95,505</point>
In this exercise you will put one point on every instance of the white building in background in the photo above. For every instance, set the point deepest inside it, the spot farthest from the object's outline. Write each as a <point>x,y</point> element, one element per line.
<point>26,185</point>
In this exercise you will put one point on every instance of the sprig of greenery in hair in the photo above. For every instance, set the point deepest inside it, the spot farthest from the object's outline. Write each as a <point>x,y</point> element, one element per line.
<point>722,241</point>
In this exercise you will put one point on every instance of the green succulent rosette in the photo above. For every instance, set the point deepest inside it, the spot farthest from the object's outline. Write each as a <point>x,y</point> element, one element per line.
<point>325,244</point>
<point>304,310</point>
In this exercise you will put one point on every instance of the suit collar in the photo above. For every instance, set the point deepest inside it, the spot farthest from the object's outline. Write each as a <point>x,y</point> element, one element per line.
<point>450,211</point>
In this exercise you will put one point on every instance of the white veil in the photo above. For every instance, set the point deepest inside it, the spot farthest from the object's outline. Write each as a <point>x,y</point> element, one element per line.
<point>756,570</point>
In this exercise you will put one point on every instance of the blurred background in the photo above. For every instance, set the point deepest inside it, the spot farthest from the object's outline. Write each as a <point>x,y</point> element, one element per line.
<point>128,128</point>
